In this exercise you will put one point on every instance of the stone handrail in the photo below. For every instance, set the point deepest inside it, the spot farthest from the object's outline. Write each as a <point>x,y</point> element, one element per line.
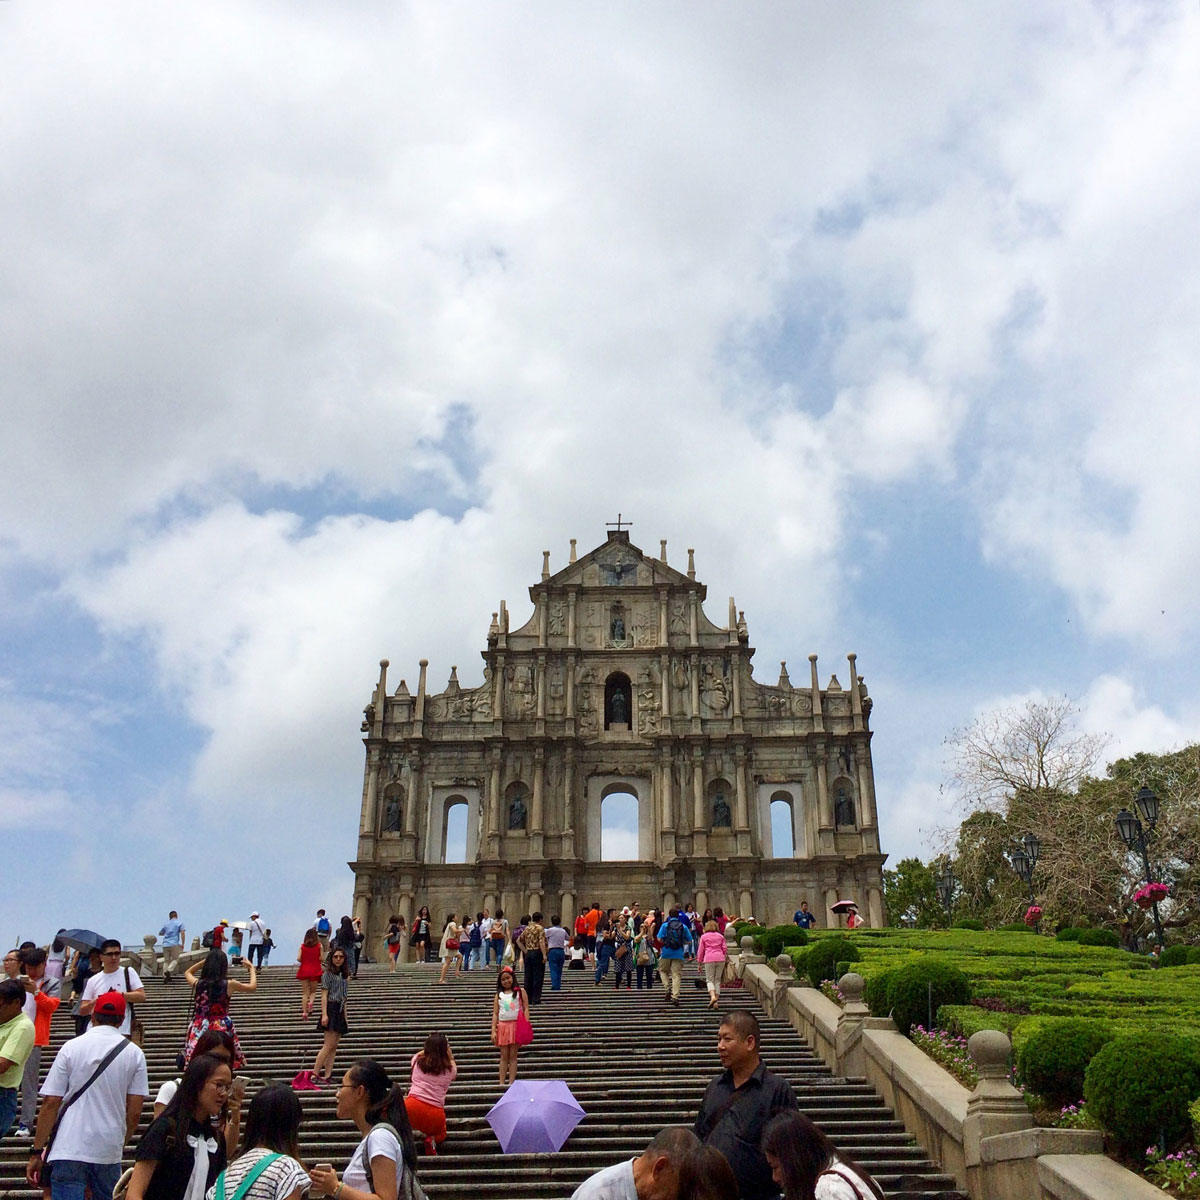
<point>985,1138</point>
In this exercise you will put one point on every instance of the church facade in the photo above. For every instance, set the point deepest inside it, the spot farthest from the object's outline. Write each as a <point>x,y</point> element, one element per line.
<point>619,683</point>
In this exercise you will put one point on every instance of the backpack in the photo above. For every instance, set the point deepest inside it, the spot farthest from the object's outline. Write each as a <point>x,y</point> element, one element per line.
<point>207,940</point>
<point>673,935</point>
<point>476,936</point>
<point>410,1186</point>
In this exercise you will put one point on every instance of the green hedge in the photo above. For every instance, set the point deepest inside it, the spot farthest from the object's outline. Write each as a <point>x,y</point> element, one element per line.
<point>1053,1060</point>
<point>970,923</point>
<point>1070,934</point>
<point>1139,1087</point>
<point>916,992</point>
<point>1098,937</point>
<point>772,942</point>
<point>822,958</point>
<point>1174,956</point>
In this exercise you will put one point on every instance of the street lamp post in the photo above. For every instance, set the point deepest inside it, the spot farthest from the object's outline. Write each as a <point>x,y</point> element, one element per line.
<point>945,890</point>
<point>1136,833</point>
<point>1024,860</point>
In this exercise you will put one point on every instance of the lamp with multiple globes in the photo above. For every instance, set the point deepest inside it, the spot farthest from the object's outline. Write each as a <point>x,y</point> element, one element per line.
<point>1135,833</point>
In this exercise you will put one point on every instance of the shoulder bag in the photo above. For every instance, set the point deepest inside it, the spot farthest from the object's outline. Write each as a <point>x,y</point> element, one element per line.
<point>137,1031</point>
<point>523,1034</point>
<point>105,1062</point>
<point>246,1184</point>
<point>410,1185</point>
<point>846,1180</point>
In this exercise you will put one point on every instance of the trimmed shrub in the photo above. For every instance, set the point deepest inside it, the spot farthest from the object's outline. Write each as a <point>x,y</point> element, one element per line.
<point>1139,1087</point>
<point>1017,927</point>
<point>824,955</point>
<point>1070,934</point>
<point>921,986</point>
<point>1174,956</point>
<point>970,923</point>
<point>1098,937</point>
<point>771,942</point>
<point>875,993</point>
<point>1053,1061</point>
<point>1193,955</point>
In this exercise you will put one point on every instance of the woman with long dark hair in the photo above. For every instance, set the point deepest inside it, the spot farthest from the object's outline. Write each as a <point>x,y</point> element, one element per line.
<point>219,1044</point>
<point>376,1168</point>
<point>270,1148</point>
<point>309,971</point>
<point>807,1165</point>
<point>333,1012</point>
<point>213,987</point>
<point>420,938</point>
<point>433,1071</point>
<point>705,1174</point>
<point>183,1151</point>
<point>510,1004</point>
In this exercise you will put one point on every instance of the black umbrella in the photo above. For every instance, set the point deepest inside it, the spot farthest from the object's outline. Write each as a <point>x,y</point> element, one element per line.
<point>81,939</point>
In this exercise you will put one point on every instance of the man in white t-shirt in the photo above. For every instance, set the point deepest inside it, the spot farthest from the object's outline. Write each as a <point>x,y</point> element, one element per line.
<point>113,978</point>
<point>87,1149</point>
<point>256,935</point>
<point>653,1175</point>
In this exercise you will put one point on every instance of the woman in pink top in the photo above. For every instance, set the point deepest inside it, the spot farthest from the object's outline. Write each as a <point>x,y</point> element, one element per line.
<point>433,1071</point>
<point>711,956</point>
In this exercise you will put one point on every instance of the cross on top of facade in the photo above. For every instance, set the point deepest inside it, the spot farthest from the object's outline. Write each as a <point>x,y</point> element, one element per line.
<point>619,524</point>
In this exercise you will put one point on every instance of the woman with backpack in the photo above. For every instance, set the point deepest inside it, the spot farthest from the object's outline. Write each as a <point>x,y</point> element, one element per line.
<point>268,1167</point>
<point>379,1162</point>
<point>182,1152</point>
<point>498,936</point>
<point>475,944</point>
<point>213,987</point>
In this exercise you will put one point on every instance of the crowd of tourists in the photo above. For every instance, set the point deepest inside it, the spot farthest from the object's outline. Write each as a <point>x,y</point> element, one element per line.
<point>749,1140</point>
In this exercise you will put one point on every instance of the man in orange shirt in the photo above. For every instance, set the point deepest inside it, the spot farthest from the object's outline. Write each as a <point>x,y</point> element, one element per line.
<point>591,920</point>
<point>41,1001</point>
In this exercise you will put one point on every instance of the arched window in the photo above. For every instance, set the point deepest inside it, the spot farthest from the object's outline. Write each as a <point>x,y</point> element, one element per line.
<point>516,806</point>
<point>454,831</point>
<point>782,841</point>
<point>618,701</point>
<point>844,811</point>
<point>391,814</point>
<point>720,808</point>
<point>619,826</point>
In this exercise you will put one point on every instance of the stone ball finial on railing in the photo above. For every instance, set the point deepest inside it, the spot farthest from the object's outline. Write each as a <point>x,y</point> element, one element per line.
<point>747,944</point>
<point>851,986</point>
<point>730,937</point>
<point>784,967</point>
<point>989,1050</point>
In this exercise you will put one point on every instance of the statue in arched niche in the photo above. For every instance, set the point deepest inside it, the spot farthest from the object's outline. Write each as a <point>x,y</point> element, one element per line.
<point>843,807</point>
<point>722,818</point>
<point>617,624</point>
<point>392,814</point>
<point>619,709</point>
<point>517,810</point>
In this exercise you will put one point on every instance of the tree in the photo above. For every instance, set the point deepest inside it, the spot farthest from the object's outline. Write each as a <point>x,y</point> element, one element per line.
<point>989,887</point>
<point>1021,748</point>
<point>910,895</point>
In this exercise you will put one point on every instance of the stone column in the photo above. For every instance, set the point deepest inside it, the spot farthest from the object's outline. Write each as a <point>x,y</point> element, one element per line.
<point>535,816</point>
<point>493,818</point>
<point>695,664</point>
<point>567,910</point>
<point>851,1059</point>
<point>541,687</point>
<point>735,670</point>
<point>875,907</point>
<point>664,667</point>
<point>414,803</point>
<point>663,637</point>
<point>824,802</point>
<point>742,803</point>
<point>995,1105</point>
<point>831,918</point>
<point>541,618</point>
<point>699,816</point>
<point>370,809</point>
<point>498,699</point>
<point>568,843</point>
<point>571,619</point>
<point>818,722</point>
<point>570,696</point>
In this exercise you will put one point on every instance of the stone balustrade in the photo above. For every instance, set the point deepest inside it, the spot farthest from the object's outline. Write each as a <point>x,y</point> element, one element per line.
<point>985,1138</point>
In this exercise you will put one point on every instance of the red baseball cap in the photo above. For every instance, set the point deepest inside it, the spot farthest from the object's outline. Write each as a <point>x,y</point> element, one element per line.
<point>111,1004</point>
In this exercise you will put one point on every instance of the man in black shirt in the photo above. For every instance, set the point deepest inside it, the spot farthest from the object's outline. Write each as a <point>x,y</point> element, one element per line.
<point>739,1103</point>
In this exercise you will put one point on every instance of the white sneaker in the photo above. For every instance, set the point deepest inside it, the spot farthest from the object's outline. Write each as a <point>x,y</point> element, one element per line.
<point>23,1131</point>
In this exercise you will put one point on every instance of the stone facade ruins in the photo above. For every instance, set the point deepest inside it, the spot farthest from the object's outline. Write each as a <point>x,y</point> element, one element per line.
<point>618,683</point>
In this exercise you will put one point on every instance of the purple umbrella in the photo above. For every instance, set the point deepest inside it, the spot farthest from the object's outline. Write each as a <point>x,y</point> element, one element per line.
<point>535,1116</point>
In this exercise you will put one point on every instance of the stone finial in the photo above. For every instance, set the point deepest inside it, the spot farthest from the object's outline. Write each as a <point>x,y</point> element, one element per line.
<point>747,944</point>
<point>989,1049</point>
<point>545,564</point>
<point>662,549</point>
<point>784,681</point>
<point>833,685</point>
<point>494,628</point>
<point>383,662</point>
<point>851,986</point>
<point>730,938</point>
<point>573,555</point>
<point>784,966</point>
<point>691,563</point>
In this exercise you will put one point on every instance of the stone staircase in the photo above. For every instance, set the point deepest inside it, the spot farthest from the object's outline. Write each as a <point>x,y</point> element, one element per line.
<point>633,1062</point>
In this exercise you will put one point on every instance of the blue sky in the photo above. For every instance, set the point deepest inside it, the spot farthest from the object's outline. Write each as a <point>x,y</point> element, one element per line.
<point>318,327</point>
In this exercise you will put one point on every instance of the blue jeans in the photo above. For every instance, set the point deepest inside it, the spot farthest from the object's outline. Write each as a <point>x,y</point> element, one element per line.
<point>603,958</point>
<point>70,1179</point>
<point>8,1109</point>
<point>555,960</point>
<point>475,958</point>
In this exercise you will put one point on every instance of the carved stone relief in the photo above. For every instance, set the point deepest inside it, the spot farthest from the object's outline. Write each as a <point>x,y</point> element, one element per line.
<point>557,620</point>
<point>714,691</point>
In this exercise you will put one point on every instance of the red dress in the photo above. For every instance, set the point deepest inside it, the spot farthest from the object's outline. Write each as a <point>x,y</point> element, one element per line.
<point>310,962</point>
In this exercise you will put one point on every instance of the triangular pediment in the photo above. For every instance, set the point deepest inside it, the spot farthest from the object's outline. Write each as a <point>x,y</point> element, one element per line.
<point>616,562</point>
